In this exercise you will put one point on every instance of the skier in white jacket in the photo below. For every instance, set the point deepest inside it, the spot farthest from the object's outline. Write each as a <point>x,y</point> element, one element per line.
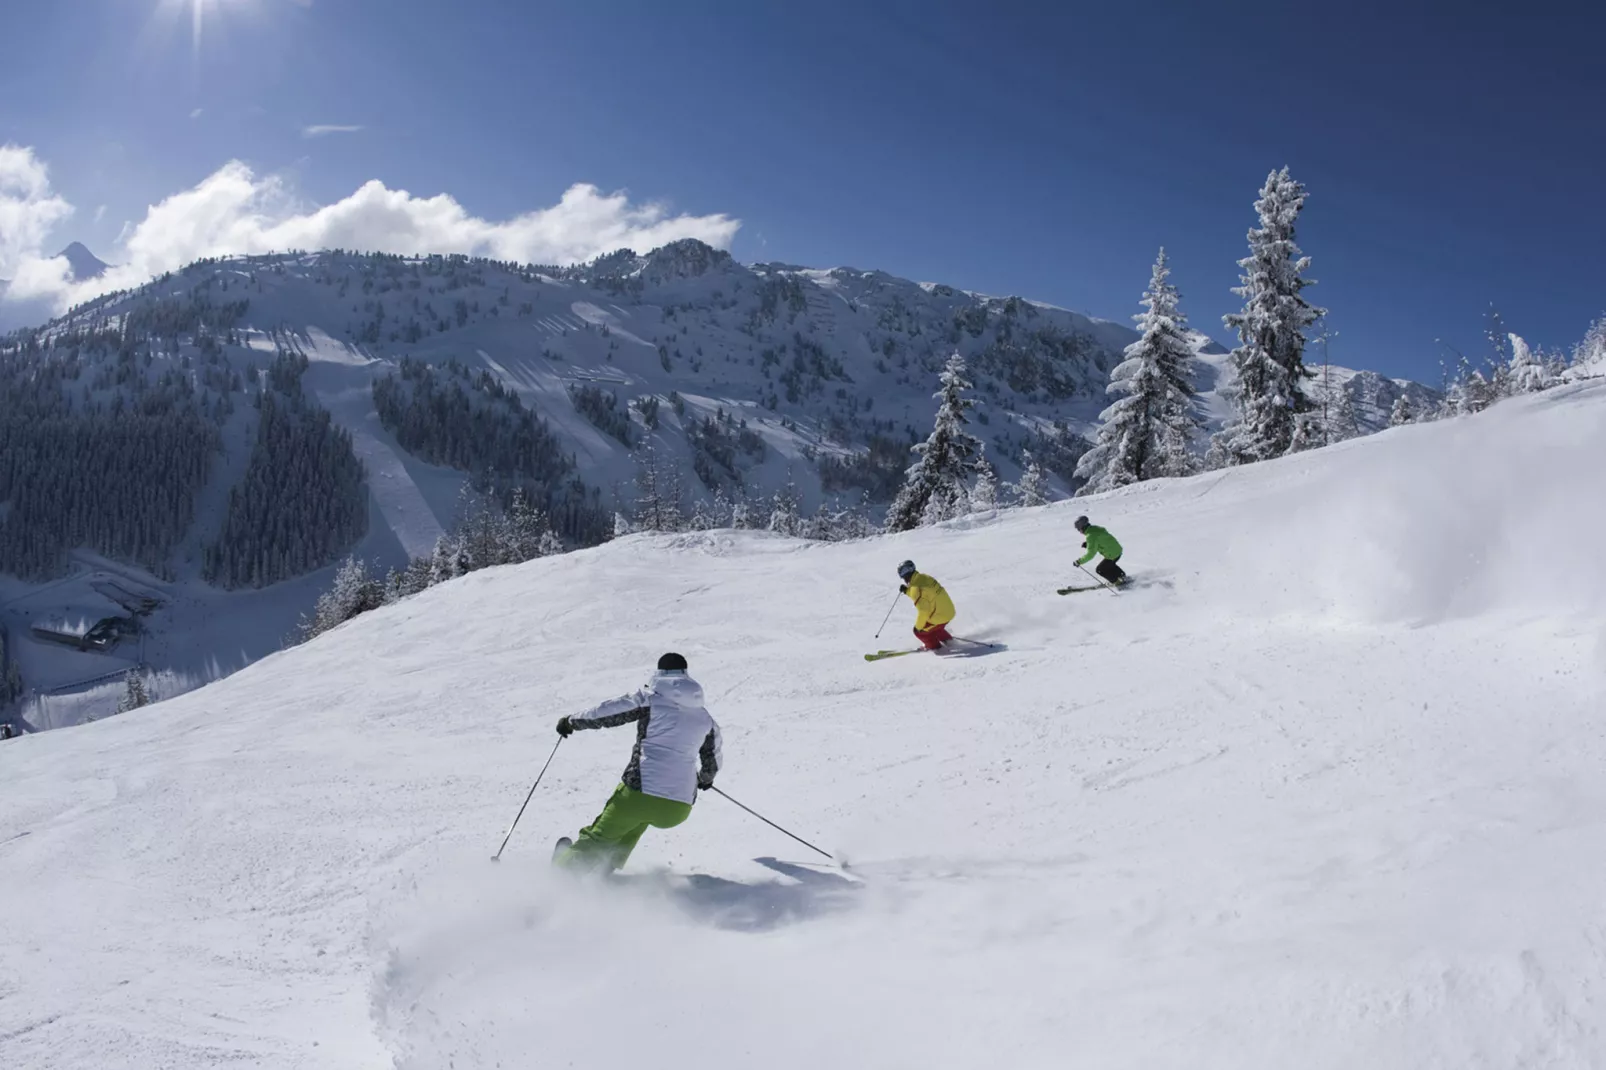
<point>677,752</point>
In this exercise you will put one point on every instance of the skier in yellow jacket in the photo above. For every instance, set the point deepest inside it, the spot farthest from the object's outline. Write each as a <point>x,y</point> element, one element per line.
<point>932,603</point>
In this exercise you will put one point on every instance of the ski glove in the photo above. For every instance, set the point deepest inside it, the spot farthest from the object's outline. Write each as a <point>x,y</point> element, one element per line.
<point>564,727</point>
<point>904,589</point>
<point>704,785</point>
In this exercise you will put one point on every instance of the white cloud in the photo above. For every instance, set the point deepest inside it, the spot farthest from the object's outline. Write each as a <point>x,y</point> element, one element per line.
<point>234,211</point>
<point>197,113</point>
<point>100,213</point>
<point>29,209</point>
<point>324,130</point>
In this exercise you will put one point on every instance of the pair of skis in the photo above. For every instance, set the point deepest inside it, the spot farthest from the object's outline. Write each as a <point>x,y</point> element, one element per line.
<point>881,655</point>
<point>1096,587</point>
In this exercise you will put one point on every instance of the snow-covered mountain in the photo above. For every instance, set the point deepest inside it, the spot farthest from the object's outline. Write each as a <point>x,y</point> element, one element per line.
<point>1373,395</point>
<point>82,263</point>
<point>246,422</point>
<point>819,363</point>
<point>1323,790</point>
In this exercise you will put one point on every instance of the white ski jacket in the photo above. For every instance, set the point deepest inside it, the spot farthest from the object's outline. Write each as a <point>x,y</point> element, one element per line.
<point>677,742</point>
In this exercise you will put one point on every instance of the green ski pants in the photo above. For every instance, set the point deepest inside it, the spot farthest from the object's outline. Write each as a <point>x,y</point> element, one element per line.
<point>606,843</point>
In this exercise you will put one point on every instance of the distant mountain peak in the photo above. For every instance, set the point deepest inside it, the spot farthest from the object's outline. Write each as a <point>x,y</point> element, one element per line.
<point>83,263</point>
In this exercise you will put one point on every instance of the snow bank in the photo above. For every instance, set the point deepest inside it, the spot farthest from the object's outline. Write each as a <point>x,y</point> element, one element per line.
<point>1323,789</point>
<point>1438,522</point>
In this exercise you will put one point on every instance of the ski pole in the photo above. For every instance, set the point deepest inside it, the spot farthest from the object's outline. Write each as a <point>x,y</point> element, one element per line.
<point>1100,581</point>
<point>778,828</point>
<point>883,627</point>
<point>497,857</point>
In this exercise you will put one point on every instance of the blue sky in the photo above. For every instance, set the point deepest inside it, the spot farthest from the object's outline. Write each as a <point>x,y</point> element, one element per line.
<point>1452,159</point>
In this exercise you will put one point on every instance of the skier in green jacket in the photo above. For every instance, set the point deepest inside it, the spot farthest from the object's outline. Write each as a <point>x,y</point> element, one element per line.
<point>1098,541</point>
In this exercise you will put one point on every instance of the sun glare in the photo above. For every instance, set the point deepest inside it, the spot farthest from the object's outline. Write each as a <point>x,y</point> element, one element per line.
<point>201,14</point>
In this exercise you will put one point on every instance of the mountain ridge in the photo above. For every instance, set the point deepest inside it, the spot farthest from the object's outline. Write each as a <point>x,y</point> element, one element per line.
<point>741,382</point>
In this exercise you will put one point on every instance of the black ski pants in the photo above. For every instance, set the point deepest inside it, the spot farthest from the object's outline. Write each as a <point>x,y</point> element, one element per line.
<point>1110,571</point>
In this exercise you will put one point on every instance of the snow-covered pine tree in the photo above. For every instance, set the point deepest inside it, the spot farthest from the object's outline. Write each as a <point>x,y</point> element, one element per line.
<point>352,592</point>
<point>721,512</point>
<point>1310,432</point>
<point>741,512</point>
<point>1589,355</point>
<point>702,517</point>
<point>658,492</point>
<point>1345,422</point>
<point>821,527</point>
<point>1476,391</point>
<point>527,528</point>
<point>1452,402</point>
<point>1149,430</point>
<point>1268,388</point>
<point>1403,412</point>
<point>937,486</point>
<point>786,517</point>
<point>405,582</point>
<point>484,535</point>
<point>135,692</point>
<point>984,492</point>
<point>1031,489</point>
<point>1526,372</point>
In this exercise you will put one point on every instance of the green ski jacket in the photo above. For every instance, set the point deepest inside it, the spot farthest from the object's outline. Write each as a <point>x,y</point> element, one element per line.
<point>1098,542</point>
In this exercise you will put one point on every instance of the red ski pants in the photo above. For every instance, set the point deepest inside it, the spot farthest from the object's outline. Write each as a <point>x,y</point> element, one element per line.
<point>933,637</point>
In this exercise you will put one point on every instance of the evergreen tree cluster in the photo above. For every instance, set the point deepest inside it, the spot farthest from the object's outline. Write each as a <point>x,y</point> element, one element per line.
<point>469,421</point>
<point>1054,448</point>
<point>718,444</point>
<point>303,500</point>
<point>660,493</point>
<point>10,675</point>
<point>486,536</point>
<point>1589,355</point>
<point>601,407</point>
<point>444,415</point>
<point>660,506</point>
<point>122,484</point>
<point>1032,489</point>
<point>876,472</point>
<point>353,591</point>
<point>109,425</point>
<point>1511,367</point>
<point>1044,361</point>
<point>952,476</point>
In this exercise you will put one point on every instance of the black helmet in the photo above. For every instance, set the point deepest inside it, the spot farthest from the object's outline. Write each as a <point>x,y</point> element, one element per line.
<point>1081,523</point>
<point>906,570</point>
<point>671,663</point>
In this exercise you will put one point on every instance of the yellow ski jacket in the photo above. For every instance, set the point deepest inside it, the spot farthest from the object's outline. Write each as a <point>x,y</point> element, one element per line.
<point>931,601</point>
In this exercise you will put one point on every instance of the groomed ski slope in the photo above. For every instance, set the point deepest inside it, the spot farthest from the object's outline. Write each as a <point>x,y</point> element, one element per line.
<point>1327,790</point>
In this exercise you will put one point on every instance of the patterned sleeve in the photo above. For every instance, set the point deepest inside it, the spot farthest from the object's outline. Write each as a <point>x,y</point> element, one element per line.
<point>614,712</point>
<point>710,757</point>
